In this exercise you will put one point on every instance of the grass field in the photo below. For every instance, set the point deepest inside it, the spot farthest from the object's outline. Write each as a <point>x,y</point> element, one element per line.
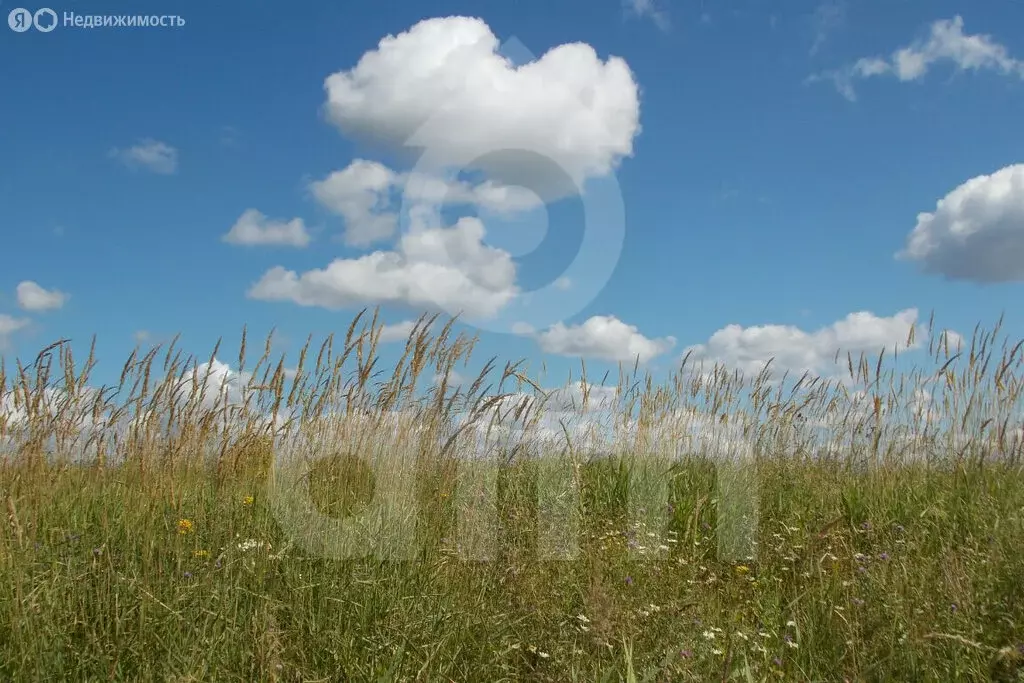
<point>864,528</point>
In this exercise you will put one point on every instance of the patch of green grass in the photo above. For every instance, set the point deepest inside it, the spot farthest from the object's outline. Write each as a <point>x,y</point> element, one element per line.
<point>172,560</point>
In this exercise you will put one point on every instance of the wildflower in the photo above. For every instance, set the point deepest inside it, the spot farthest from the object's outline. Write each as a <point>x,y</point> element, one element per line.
<point>185,526</point>
<point>583,618</point>
<point>188,575</point>
<point>686,654</point>
<point>629,580</point>
<point>201,553</point>
<point>953,607</point>
<point>248,500</point>
<point>790,642</point>
<point>253,544</point>
<point>884,556</point>
<point>96,552</point>
<point>777,662</point>
<point>857,602</point>
<point>866,526</point>
<point>742,569</point>
<point>709,635</point>
<point>791,623</point>
<point>716,651</point>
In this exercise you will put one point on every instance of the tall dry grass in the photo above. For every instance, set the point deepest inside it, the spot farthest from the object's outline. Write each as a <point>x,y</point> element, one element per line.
<point>339,520</point>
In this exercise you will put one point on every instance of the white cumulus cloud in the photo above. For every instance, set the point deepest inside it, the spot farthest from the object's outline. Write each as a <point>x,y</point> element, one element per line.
<point>8,326</point>
<point>604,337</point>
<point>946,42</point>
<point>152,155</point>
<point>442,86</point>
<point>397,331</point>
<point>253,228</point>
<point>364,194</point>
<point>360,195</point>
<point>450,269</point>
<point>976,232</point>
<point>797,351</point>
<point>32,297</point>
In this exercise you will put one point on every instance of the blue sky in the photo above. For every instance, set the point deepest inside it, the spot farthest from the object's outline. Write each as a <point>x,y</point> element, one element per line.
<point>769,160</point>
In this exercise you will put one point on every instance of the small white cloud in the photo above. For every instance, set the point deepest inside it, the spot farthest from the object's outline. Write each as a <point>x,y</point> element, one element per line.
<point>153,155</point>
<point>650,9</point>
<point>604,337</point>
<point>141,336</point>
<point>953,339</point>
<point>361,195</point>
<point>748,349</point>
<point>563,283</point>
<point>364,194</point>
<point>8,326</point>
<point>976,232</point>
<point>946,42</point>
<point>32,297</point>
<point>397,332</point>
<point>522,328</point>
<point>254,229</point>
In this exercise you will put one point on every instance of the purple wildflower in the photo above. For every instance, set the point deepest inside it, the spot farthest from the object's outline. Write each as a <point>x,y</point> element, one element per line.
<point>884,556</point>
<point>777,662</point>
<point>188,575</point>
<point>686,654</point>
<point>629,580</point>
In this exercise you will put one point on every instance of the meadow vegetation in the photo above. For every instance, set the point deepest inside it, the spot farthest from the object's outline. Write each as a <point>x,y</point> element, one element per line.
<point>342,521</point>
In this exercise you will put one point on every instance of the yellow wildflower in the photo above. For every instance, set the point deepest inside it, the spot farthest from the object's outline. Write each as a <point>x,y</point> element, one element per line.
<point>185,526</point>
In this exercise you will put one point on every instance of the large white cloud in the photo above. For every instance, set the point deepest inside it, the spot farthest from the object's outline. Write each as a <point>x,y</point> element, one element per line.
<point>946,42</point>
<point>604,337</point>
<point>253,228</point>
<point>442,85</point>
<point>976,232</point>
<point>797,351</point>
<point>32,297</point>
<point>438,268</point>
